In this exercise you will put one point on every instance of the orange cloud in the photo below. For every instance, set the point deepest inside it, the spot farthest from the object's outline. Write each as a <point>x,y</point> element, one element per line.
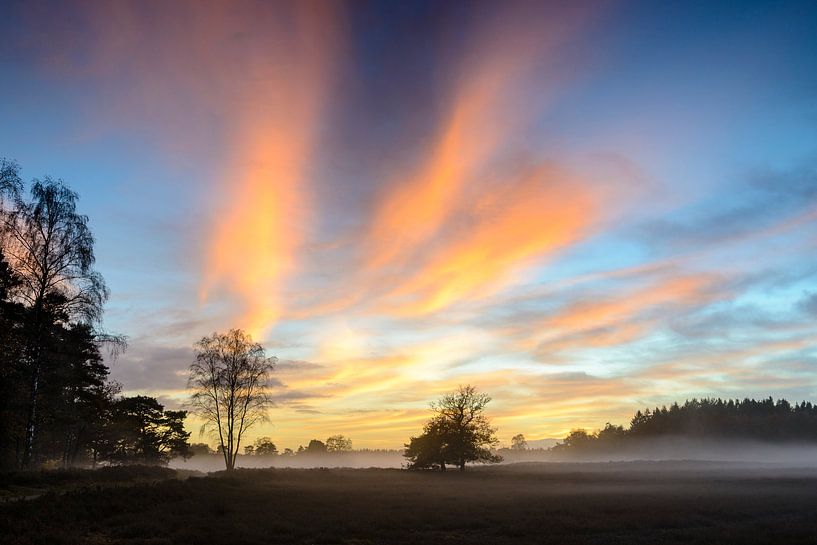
<point>682,291</point>
<point>256,236</point>
<point>512,224</point>
<point>600,320</point>
<point>417,207</point>
<point>487,107</point>
<point>242,88</point>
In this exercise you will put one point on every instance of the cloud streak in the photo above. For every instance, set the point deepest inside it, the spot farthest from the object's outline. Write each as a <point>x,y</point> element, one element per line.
<point>400,200</point>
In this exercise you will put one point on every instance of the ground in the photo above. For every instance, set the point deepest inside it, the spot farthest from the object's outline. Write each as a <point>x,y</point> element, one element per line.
<point>630,503</point>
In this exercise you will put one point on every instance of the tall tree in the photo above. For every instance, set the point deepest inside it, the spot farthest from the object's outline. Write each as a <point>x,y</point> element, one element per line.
<point>230,382</point>
<point>12,344</point>
<point>12,318</point>
<point>50,247</point>
<point>74,395</point>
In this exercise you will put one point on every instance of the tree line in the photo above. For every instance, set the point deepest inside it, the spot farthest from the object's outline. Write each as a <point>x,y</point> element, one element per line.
<point>57,403</point>
<point>263,446</point>
<point>708,418</point>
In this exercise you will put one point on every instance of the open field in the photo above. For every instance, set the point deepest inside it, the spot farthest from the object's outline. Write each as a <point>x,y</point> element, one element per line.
<point>542,503</point>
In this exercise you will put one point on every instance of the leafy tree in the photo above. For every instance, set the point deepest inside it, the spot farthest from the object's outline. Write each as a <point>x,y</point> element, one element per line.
<point>315,447</point>
<point>338,443</point>
<point>265,447</point>
<point>50,248</point>
<point>518,442</point>
<point>75,395</point>
<point>611,434</point>
<point>230,380</point>
<point>73,388</point>
<point>12,375</point>
<point>459,432</point>
<point>578,439</point>
<point>469,432</point>
<point>141,431</point>
<point>57,403</point>
<point>200,449</point>
<point>428,450</point>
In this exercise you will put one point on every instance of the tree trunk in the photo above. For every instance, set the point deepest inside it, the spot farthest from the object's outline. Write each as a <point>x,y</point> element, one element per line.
<point>28,453</point>
<point>35,352</point>
<point>462,465</point>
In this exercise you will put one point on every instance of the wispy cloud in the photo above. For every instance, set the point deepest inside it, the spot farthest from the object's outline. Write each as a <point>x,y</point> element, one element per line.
<point>403,200</point>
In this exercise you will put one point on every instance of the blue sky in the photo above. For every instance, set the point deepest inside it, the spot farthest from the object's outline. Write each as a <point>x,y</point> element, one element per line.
<point>582,210</point>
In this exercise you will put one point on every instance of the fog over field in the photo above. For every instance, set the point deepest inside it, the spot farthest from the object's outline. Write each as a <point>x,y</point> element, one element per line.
<point>213,462</point>
<point>733,453</point>
<point>685,448</point>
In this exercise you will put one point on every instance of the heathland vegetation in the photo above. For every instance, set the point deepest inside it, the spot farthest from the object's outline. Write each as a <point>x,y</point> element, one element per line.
<point>632,503</point>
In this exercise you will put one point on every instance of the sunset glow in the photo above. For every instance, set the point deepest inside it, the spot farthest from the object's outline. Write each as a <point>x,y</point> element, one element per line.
<point>399,202</point>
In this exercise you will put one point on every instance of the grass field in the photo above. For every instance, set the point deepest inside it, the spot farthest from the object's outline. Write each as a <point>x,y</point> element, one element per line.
<point>645,503</point>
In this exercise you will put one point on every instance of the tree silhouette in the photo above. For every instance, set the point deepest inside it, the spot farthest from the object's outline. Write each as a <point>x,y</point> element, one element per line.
<point>458,433</point>
<point>230,381</point>
<point>12,375</point>
<point>762,420</point>
<point>428,450</point>
<point>518,442</point>
<point>57,403</point>
<point>338,443</point>
<point>200,449</point>
<point>315,447</point>
<point>141,431</point>
<point>265,447</point>
<point>51,249</point>
<point>75,396</point>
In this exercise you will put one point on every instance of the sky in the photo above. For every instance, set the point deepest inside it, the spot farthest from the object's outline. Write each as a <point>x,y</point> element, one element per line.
<point>581,208</point>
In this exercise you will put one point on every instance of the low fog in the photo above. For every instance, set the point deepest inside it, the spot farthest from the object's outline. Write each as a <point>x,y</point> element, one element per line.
<point>739,452</point>
<point>214,462</point>
<point>681,448</point>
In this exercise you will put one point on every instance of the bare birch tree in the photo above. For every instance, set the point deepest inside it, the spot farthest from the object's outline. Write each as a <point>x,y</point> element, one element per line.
<point>230,382</point>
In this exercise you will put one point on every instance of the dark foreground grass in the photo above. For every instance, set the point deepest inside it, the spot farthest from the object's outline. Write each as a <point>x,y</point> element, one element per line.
<point>540,503</point>
<point>31,484</point>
